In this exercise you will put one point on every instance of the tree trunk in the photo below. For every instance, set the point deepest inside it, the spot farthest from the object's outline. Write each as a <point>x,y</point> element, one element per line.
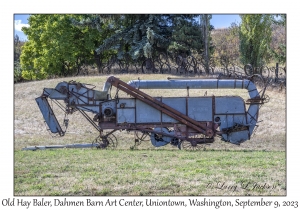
<point>98,62</point>
<point>205,31</point>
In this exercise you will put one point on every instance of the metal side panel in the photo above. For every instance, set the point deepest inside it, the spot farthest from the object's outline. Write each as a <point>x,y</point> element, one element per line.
<point>49,115</point>
<point>126,110</point>
<point>125,115</point>
<point>126,103</point>
<point>227,121</point>
<point>229,105</point>
<point>146,113</point>
<point>108,104</point>
<point>178,104</point>
<point>200,109</point>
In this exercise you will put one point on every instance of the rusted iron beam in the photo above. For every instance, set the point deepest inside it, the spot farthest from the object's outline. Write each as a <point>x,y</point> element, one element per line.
<point>160,106</point>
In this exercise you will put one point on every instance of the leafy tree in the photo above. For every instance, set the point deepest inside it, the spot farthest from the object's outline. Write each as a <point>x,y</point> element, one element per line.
<point>17,48</point>
<point>226,42</point>
<point>17,72</point>
<point>255,39</point>
<point>144,35</point>
<point>55,46</point>
<point>205,27</point>
<point>17,53</point>
<point>127,34</point>
<point>278,45</point>
<point>61,44</point>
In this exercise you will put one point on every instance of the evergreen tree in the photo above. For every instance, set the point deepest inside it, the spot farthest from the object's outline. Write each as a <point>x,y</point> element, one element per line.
<point>186,35</point>
<point>145,35</point>
<point>205,24</point>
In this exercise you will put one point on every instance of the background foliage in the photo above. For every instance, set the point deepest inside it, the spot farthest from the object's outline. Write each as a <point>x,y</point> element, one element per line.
<point>62,44</point>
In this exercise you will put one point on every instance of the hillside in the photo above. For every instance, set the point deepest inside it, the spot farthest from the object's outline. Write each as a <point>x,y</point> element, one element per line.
<point>145,170</point>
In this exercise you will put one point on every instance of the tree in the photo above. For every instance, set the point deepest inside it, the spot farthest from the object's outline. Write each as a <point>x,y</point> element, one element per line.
<point>226,42</point>
<point>205,23</point>
<point>278,46</point>
<point>186,35</point>
<point>55,46</point>
<point>17,53</point>
<point>255,39</point>
<point>145,35</point>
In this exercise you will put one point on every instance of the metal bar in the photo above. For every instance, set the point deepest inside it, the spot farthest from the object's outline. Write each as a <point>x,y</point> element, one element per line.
<point>253,109</point>
<point>162,133</point>
<point>160,106</point>
<point>33,148</point>
<point>130,90</point>
<point>196,84</point>
<point>89,119</point>
<point>59,105</point>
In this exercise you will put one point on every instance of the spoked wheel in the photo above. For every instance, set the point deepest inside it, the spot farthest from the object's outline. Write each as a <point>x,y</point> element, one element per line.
<point>192,63</point>
<point>179,60</point>
<point>230,70</point>
<point>150,66</point>
<point>258,80</point>
<point>156,67</point>
<point>165,68</point>
<point>107,142</point>
<point>266,98</point>
<point>190,70</point>
<point>123,66</point>
<point>146,66</point>
<point>190,145</point>
<point>163,58</point>
<point>265,72</point>
<point>140,137</point>
<point>248,69</point>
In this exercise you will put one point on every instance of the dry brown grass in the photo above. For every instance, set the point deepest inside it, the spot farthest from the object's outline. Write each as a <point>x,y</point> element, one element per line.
<point>147,170</point>
<point>30,129</point>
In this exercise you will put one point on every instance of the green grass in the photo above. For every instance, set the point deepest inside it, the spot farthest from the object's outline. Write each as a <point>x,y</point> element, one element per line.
<point>147,172</point>
<point>222,169</point>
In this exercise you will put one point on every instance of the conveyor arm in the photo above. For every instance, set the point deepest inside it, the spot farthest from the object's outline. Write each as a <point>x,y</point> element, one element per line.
<point>160,106</point>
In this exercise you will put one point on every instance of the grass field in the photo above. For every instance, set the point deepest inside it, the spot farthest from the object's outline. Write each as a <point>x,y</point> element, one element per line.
<point>256,167</point>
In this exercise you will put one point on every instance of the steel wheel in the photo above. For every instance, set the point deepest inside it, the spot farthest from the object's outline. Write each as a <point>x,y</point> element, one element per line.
<point>265,72</point>
<point>163,58</point>
<point>192,65</point>
<point>147,66</point>
<point>190,70</point>
<point>108,142</point>
<point>248,70</point>
<point>156,67</point>
<point>113,142</point>
<point>165,69</point>
<point>123,66</point>
<point>190,145</point>
<point>140,137</point>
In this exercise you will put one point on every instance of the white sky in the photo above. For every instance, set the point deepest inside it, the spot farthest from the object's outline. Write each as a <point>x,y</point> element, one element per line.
<point>218,21</point>
<point>19,25</point>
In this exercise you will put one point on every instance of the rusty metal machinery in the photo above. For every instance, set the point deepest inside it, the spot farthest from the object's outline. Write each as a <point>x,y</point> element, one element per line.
<point>185,122</point>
